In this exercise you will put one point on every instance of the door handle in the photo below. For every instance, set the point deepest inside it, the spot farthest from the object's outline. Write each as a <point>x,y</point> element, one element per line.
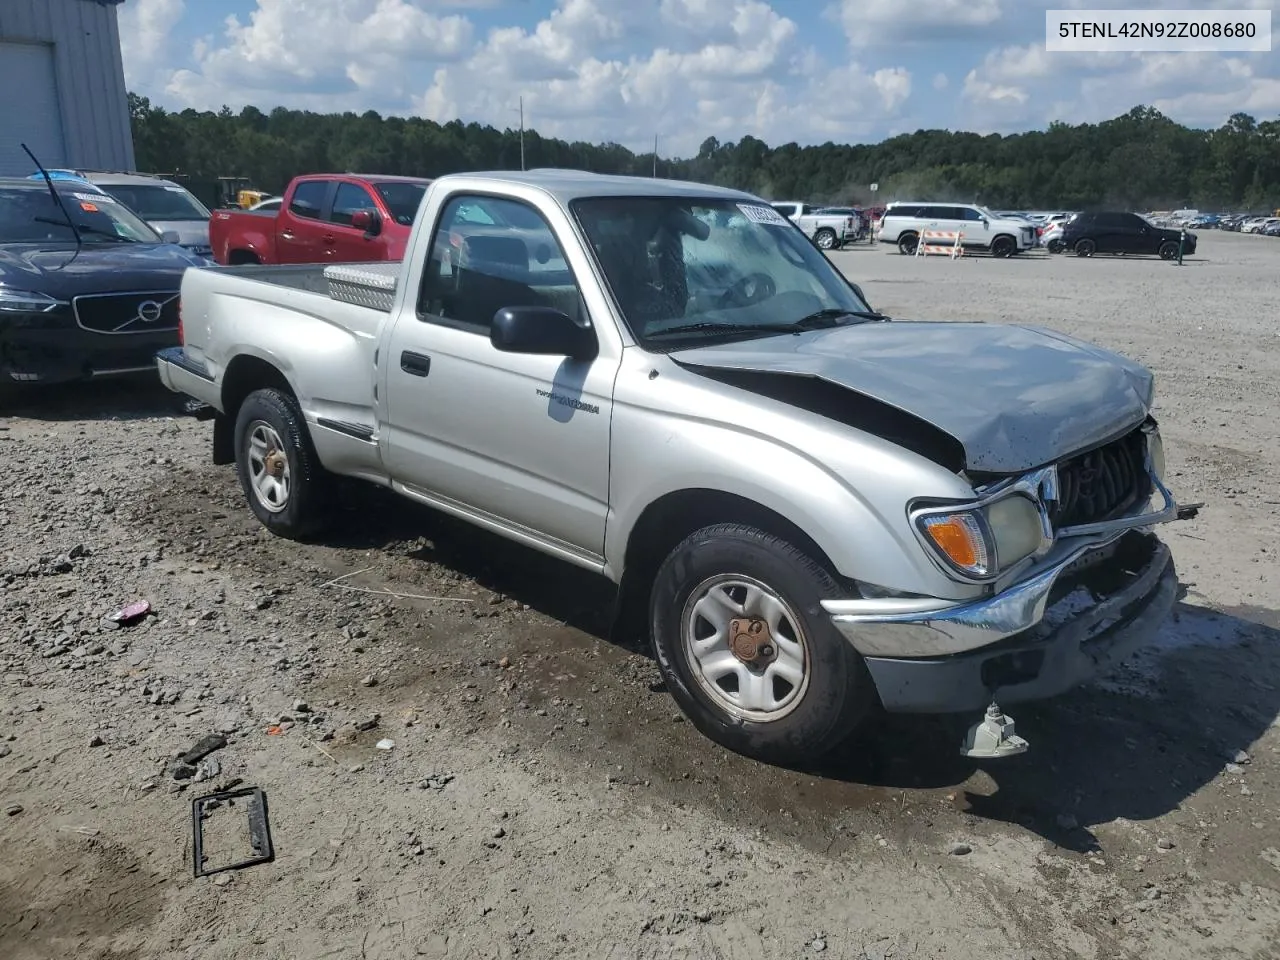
<point>415,363</point>
<point>286,234</point>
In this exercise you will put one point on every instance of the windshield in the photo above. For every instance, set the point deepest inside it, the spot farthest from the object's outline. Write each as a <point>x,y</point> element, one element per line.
<point>402,199</point>
<point>158,201</point>
<point>29,215</point>
<point>719,266</point>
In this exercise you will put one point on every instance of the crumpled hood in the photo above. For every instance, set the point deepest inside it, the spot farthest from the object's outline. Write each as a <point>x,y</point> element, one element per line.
<point>1014,397</point>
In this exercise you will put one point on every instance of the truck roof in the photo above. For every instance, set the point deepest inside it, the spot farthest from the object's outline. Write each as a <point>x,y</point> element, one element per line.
<point>568,185</point>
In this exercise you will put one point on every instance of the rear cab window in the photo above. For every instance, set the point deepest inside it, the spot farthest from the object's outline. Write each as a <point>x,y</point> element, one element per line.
<point>308,199</point>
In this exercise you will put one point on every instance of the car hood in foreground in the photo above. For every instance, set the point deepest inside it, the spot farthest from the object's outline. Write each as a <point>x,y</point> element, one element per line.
<point>1013,397</point>
<point>55,269</point>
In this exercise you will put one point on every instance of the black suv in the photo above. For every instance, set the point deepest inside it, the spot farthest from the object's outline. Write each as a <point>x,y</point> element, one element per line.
<point>1120,233</point>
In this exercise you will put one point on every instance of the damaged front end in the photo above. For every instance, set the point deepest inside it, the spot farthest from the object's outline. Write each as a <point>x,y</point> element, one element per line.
<point>1074,581</point>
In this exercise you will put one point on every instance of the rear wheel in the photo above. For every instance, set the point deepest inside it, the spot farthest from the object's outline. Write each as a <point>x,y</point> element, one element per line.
<point>1168,250</point>
<point>907,244</point>
<point>1086,247</point>
<point>1055,246</point>
<point>1003,247</point>
<point>825,239</point>
<point>278,468</point>
<point>748,652</point>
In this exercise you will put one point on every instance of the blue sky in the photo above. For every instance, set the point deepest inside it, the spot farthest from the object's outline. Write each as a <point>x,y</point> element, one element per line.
<point>624,70</point>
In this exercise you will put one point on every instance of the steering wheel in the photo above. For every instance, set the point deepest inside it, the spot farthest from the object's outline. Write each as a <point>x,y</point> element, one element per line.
<point>753,288</point>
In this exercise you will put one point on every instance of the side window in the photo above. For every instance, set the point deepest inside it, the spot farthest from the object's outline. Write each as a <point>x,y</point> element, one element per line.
<point>905,212</point>
<point>488,253</point>
<point>971,214</point>
<point>308,199</point>
<point>938,213</point>
<point>350,198</point>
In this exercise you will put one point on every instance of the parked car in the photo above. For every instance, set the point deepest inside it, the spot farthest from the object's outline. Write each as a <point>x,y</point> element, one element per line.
<point>830,229</point>
<point>335,218</point>
<point>89,296</point>
<point>166,205</point>
<point>1090,233</point>
<point>904,221</point>
<point>812,508</point>
<point>791,208</point>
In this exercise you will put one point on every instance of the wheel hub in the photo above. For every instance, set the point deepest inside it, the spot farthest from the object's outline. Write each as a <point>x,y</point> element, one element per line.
<point>751,641</point>
<point>275,462</point>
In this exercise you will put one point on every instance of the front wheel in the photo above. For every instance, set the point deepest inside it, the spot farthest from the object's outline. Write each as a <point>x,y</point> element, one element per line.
<point>279,471</point>
<point>747,651</point>
<point>1003,247</point>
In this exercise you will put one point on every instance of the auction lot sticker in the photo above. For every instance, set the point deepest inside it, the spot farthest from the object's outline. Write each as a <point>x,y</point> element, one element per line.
<point>761,214</point>
<point>1142,31</point>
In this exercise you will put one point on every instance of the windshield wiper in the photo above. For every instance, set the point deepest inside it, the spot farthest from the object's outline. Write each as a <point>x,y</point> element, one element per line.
<point>820,317</point>
<point>85,228</point>
<point>707,325</point>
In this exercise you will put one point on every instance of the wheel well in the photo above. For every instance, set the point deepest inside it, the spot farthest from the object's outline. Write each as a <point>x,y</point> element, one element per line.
<point>671,518</point>
<point>830,230</point>
<point>244,375</point>
<point>239,258</point>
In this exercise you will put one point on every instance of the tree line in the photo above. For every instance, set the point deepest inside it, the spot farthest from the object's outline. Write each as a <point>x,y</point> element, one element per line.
<point>1141,160</point>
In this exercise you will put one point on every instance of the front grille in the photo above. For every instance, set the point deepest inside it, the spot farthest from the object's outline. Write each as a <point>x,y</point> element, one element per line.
<point>148,311</point>
<point>1102,484</point>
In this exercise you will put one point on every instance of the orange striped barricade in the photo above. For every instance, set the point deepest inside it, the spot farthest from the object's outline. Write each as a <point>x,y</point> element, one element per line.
<point>935,242</point>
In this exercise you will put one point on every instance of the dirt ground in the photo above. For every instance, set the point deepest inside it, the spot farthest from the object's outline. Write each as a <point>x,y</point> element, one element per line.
<point>542,797</point>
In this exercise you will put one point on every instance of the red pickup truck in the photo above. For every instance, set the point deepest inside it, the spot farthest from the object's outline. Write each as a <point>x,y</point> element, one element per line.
<point>324,218</point>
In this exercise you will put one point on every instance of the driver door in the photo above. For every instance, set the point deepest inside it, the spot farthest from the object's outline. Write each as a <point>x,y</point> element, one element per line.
<point>520,441</point>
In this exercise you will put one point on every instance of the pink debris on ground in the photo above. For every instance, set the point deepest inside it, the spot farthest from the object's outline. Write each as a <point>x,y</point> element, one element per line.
<point>131,613</point>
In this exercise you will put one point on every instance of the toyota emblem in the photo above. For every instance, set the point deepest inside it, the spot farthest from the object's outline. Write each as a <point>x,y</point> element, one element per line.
<point>149,311</point>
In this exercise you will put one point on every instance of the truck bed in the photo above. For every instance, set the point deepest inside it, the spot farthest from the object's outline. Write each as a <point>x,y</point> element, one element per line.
<point>370,285</point>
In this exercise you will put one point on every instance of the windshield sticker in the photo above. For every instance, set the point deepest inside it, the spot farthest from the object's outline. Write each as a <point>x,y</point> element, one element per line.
<point>88,207</point>
<point>94,198</point>
<point>760,214</point>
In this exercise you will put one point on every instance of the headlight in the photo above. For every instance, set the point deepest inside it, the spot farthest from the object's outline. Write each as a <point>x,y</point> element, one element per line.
<point>980,543</point>
<point>1155,450</point>
<point>26,301</point>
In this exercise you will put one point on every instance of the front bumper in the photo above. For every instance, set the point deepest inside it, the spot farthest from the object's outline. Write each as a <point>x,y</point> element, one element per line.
<point>1045,636</point>
<point>52,348</point>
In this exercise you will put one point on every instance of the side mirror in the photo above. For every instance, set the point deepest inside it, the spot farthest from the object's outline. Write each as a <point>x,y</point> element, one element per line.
<point>986,224</point>
<point>368,221</point>
<point>542,330</point>
<point>171,236</point>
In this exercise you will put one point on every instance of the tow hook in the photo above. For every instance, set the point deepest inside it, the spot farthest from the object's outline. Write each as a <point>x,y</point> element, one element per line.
<point>993,737</point>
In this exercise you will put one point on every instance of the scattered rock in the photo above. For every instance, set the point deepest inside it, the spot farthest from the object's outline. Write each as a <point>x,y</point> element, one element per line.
<point>1164,843</point>
<point>13,809</point>
<point>1234,768</point>
<point>1151,893</point>
<point>96,741</point>
<point>818,944</point>
<point>498,833</point>
<point>5,751</point>
<point>1241,757</point>
<point>385,744</point>
<point>960,850</point>
<point>301,706</point>
<point>203,747</point>
<point>369,681</point>
<point>355,768</point>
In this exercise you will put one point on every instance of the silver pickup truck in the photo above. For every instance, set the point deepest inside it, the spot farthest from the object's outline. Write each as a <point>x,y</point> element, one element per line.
<point>811,510</point>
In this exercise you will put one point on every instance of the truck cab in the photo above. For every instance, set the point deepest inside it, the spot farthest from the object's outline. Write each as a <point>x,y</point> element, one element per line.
<point>323,218</point>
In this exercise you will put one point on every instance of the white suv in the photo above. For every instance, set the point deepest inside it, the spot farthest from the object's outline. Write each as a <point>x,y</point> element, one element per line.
<point>903,222</point>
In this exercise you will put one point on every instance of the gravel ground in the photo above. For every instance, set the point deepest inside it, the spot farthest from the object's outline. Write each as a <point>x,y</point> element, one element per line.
<point>541,796</point>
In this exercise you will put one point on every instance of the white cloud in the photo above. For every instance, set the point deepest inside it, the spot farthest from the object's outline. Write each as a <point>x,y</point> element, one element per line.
<point>940,81</point>
<point>145,26</point>
<point>873,22</point>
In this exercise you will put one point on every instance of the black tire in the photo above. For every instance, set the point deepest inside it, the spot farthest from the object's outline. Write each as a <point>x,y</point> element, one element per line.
<point>825,239</point>
<point>302,512</point>
<point>1055,246</point>
<point>1004,247</point>
<point>1086,247</point>
<point>907,244</point>
<point>838,690</point>
<point>1168,250</point>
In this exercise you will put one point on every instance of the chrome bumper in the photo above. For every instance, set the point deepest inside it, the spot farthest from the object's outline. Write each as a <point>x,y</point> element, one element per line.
<point>1068,644</point>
